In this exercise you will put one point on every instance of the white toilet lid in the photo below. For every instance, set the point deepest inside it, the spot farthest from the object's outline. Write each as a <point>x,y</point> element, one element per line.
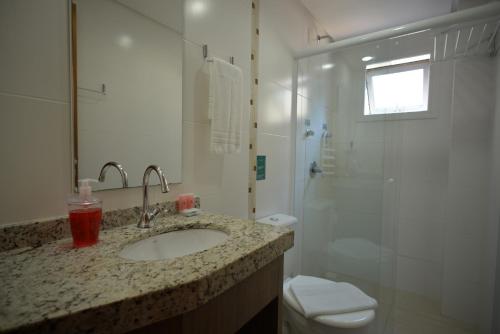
<point>344,320</point>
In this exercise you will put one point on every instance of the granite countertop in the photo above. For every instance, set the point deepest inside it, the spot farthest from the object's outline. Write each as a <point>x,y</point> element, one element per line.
<point>58,289</point>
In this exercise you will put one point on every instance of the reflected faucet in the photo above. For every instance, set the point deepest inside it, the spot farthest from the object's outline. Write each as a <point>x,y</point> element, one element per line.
<point>123,173</point>
<point>148,216</point>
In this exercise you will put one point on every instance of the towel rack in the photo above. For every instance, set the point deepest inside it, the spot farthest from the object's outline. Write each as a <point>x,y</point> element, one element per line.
<point>101,91</point>
<point>475,38</point>
<point>205,54</point>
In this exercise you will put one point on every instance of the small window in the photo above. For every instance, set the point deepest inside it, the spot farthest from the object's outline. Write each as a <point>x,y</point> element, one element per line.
<point>398,86</point>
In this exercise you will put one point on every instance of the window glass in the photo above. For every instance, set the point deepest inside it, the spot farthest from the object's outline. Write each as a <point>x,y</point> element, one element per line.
<point>393,89</point>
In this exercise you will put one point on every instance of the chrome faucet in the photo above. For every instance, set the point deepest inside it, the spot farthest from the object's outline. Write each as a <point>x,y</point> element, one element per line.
<point>123,173</point>
<point>148,216</point>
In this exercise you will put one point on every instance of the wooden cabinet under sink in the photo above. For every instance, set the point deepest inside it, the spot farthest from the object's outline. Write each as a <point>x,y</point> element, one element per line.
<point>252,306</point>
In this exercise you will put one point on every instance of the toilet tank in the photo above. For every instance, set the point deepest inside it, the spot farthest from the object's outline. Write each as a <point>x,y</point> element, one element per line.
<point>291,264</point>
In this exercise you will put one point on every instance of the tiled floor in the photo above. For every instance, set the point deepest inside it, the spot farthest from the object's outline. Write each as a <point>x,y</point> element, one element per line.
<point>401,312</point>
<point>412,314</point>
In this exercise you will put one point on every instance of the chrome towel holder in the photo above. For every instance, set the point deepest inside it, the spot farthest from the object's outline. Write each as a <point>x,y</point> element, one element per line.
<point>205,54</point>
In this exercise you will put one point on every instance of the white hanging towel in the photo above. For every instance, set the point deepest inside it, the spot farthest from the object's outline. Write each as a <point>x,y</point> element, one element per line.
<point>323,297</point>
<point>225,106</point>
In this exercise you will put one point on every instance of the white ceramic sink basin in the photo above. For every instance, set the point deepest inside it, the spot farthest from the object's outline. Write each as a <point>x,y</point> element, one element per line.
<point>173,244</point>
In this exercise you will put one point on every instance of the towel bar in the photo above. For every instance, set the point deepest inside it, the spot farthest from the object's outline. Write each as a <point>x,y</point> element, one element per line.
<point>205,55</point>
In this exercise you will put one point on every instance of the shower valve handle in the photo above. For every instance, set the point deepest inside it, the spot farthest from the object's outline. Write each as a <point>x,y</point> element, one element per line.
<point>315,169</point>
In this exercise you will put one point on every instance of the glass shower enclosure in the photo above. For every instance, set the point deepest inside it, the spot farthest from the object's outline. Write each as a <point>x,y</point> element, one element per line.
<point>393,156</point>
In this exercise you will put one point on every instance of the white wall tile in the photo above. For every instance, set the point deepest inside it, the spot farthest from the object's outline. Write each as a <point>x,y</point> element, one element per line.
<point>490,298</point>
<point>275,109</point>
<point>352,224</point>
<point>233,202</point>
<point>235,169</point>
<point>421,239</point>
<point>301,141</point>
<point>425,150</point>
<point>169,13</point>
<point>361,198</point>
<point>275,59</point>
<point>226,29</point>
<point>36,171</point>
<point>473,105</point>
<point>316,82</point>
<point>302,77</point>
<point>370,131</point>
<point>194,85</point>
<point>469,163</point>
<point>467,211</point>
<point>285,26</point>
<point>367,158</point>
<point>421,200</point>
<point>420,277</point>
<point>274,193</point>
<point>202,170</point>
<point>35,53</point>
<point>292,23</point>
<point>206,173</point>
<point>224,25</point>
<point>463,256</point>
<point>468,188</point>
<point>462,303</point>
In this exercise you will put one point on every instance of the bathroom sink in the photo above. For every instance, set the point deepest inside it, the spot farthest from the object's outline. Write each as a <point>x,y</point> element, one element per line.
<point>173,244</point>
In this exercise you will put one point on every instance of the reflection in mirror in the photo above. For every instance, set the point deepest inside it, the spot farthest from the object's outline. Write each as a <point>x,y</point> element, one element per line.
<point>127,94</point>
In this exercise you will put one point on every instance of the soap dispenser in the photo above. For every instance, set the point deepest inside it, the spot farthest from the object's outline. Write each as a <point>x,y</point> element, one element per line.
<point>85,214</point>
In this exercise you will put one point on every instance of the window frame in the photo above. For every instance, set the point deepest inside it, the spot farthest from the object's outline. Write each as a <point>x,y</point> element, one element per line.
<point>397,68</point>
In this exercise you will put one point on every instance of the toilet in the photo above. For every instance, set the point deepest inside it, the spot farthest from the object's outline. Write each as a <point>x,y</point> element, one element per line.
<point>294,320</point>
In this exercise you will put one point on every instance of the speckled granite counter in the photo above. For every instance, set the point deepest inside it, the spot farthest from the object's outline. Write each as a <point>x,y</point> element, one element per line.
<point>57,289</point>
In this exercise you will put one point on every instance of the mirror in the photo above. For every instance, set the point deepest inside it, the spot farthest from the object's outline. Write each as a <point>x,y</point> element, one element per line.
<point>127,88</point>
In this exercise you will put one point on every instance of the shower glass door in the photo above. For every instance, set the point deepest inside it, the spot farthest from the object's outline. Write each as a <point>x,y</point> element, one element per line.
<point>392,175</point>
<point>348,168</point>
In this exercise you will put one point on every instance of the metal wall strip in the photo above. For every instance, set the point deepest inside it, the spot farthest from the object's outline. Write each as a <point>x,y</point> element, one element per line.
<point>254,69</point>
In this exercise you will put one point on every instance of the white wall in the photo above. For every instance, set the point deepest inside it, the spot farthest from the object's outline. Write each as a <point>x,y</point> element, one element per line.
<point>490,294</point>
<point>285,26</point>
<point>34,106</point>
<point>221,181</point>
<point>36,84</point>
<point>35,111</point>
<point>422,191</point>
<point>468,188</point>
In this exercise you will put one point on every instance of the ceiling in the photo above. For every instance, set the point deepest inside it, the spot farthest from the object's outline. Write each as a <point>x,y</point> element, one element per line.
<point>348,18</point>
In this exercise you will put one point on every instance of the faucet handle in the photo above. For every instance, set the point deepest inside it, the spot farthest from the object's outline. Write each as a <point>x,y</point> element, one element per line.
<point>153,213</point>
<point>148,218</point>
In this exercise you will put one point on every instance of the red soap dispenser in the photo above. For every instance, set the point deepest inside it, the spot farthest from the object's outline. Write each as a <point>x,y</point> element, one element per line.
<point>85,214</point>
